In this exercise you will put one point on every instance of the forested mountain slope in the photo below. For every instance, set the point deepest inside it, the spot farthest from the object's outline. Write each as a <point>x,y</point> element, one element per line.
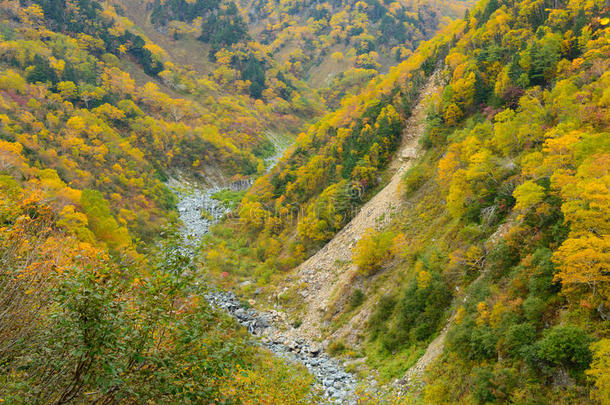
<point>504,234</point>
<point>336,47</point>
<point>98,304</point>
<point>70,104</point>
<point>323,274</point>
<point>497,234</point>
<point>345,40</point>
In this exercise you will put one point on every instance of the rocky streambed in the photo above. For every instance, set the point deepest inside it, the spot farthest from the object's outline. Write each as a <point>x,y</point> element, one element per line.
<point>198,211</point>
<point>337,384</point>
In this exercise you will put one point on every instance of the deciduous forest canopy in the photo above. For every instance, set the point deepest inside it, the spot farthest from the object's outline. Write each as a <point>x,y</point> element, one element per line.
<point>484,128</point>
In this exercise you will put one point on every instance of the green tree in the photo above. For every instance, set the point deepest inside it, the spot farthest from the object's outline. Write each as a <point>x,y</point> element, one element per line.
<point>565,346</point>
<point>102,222</point>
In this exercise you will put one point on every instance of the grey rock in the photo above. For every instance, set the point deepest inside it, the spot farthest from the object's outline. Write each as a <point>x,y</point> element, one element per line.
<point>315,348</point>
<point>242,314</point>
<point>330,374</point>
<point>262,322</point>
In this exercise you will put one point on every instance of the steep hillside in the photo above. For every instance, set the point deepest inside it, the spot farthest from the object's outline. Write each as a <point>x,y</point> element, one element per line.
<point>443,228</point>
<point>325,275</point>
<point>500,239</point>
<point>368,32</point>
<point>340,46</point>
<point>509,243</point>
<point>97,304</point>
<point>333,46</point>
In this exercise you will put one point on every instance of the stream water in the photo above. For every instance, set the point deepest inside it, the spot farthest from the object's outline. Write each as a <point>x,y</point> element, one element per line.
<point>198,211</point>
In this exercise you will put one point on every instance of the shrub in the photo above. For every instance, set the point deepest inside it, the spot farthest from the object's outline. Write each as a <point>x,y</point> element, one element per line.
<point>373,251</point>
<point>270,381</point>
<point>458,337</point>
<point>415,317</point>
<point>382,313</point>
<point>518,337</point>
<point>414,179</point>
<point>483,343</point>
<point>501,259</point>
<point>482,385</point>
<point>566,346</point>
<point>356,299</point>
<point>534,307</point>
<point>600,371</point>
<point>541,282</point>
<point>336,348</point>
<point>422,306</point>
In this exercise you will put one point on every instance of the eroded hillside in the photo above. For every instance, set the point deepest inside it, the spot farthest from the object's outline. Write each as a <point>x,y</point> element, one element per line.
<point>442,228</point>
<point>496,251</point>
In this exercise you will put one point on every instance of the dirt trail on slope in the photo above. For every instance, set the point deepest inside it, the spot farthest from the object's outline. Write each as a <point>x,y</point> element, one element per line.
<point>330,268</point>
<point>412,380</point>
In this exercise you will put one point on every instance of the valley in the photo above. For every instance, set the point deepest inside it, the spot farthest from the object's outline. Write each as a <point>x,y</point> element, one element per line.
<point>304,202</point>
<point>198,210</point>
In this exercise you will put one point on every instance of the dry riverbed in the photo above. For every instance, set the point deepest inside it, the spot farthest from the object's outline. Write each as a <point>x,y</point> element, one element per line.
<point>198,211</point>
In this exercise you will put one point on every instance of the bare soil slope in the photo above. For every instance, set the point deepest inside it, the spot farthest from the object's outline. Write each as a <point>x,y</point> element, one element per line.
<point>323,275</point>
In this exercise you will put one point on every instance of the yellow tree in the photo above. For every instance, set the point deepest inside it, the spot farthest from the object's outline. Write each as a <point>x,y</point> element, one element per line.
<point>600,371</point>
<point>119,82</point>
<point>453,115</point>
<point>527,195</point>
<point>584,261</point>
<point>584,258</point>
